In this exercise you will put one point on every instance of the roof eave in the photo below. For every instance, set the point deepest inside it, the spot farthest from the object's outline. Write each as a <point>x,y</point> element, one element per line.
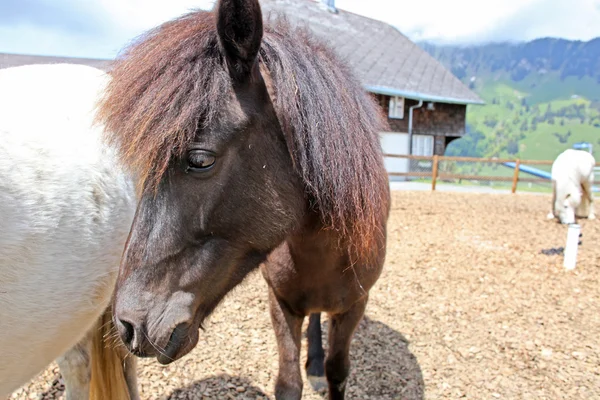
<point>421,96</point>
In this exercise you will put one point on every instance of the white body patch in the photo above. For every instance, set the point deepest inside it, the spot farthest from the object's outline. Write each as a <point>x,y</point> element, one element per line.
<point>65,213</point>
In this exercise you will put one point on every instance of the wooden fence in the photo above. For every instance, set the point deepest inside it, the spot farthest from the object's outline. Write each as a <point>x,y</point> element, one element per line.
<point>435,174</point>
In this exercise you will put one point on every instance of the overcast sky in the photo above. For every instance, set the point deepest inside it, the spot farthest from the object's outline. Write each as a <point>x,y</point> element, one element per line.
<point>100,28</point>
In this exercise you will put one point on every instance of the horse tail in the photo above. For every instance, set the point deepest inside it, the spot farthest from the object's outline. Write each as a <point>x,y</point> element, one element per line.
<point>109,374</point>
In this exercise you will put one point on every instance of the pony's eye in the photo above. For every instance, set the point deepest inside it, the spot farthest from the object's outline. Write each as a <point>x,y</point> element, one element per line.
<point>200,160</point>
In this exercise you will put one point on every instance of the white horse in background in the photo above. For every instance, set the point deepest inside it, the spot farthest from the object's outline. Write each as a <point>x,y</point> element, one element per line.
<point>65,213</point>
<point>572,179</point>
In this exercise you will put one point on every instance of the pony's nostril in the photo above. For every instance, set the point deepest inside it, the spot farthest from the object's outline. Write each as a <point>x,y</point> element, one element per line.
<point>127,331</point>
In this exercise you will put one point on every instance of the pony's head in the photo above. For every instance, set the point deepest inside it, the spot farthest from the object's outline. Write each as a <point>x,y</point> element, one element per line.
<point>237,133</point>
<point>566,204</point>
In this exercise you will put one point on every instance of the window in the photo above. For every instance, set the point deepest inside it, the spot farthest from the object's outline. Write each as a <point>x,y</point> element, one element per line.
<point>396,107</point>
<point>422,145</point>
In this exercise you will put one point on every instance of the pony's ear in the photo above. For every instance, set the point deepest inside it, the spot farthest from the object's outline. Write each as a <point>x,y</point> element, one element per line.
<point>240,29</point>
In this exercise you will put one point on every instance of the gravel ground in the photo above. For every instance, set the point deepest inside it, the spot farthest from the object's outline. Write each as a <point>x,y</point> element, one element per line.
<point>467,307</point>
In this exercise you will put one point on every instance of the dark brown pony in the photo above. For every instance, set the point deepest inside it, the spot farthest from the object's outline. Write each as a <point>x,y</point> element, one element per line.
<point>255,147</point>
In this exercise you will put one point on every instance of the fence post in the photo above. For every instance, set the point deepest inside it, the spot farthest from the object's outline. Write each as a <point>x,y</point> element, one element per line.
<point>434,172</point>
<point>516,176</point>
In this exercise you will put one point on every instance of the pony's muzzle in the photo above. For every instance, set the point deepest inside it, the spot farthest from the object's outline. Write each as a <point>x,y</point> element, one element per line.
<point>167,332</point>
<point>132,337</point>
<point>174,346</point>
<point>139,344</point>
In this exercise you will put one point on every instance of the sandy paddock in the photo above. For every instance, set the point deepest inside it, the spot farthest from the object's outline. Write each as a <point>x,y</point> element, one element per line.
<point>466,307</point>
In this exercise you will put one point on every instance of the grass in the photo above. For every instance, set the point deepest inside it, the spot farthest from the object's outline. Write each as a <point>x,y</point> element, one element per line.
<point>541,144</point>
<point>505,120</point>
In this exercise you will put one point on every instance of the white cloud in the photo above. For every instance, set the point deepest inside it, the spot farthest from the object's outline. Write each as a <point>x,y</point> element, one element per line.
<point>40,40</point>
<point>458,21</point>
<point>121,20</point>
<point>140,15</point>
<point>476,20</point>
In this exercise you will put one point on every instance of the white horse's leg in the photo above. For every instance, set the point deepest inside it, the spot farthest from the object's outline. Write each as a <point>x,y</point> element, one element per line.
<point>551,214</point>
<point>582,209</point>
<point>130,371</point>
<point>588,197</point>
<point>76,371</point>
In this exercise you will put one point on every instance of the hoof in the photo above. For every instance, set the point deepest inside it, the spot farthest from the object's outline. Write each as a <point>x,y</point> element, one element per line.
<point>318,383</point>
<point>593,216</point>
<point>550,216</point>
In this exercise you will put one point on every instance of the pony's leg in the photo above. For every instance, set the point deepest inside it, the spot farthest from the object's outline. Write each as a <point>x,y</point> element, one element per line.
<point>288,331</point>
<point>130,371</point>
<point>551,214</point>
<point>75,369</point>
<point>337,365</point>
<point>588,197</point>
<point>315,360</point>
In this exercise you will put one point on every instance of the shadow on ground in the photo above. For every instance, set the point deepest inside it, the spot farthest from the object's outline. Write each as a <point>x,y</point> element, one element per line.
<point>382,365</point>
<point>383,368</point>
<point>218,387</point>
<point>55,388</point>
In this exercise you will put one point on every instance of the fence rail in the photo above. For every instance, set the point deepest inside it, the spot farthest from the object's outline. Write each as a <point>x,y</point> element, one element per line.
<point>435,174</point>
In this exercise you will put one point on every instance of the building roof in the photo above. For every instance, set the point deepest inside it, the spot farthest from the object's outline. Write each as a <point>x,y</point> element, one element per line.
<point>16,60</point>
<point>385,60</point>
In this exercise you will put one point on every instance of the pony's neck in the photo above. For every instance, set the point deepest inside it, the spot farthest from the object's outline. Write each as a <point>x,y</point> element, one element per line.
<point>313,242</point>
<point>565,187</point>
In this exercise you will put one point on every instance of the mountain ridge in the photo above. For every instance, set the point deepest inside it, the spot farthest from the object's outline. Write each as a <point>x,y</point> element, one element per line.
<point>541,96</point>
<point>570,58</point>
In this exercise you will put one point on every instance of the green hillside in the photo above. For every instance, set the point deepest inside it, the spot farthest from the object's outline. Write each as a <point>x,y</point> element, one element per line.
<point>541,97</point>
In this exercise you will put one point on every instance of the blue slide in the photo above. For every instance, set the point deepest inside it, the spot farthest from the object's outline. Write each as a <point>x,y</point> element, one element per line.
<point>537,172</point>
<point>529,170</point>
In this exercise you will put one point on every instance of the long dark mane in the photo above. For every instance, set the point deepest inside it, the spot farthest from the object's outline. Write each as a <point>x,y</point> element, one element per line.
<point>173,81</point>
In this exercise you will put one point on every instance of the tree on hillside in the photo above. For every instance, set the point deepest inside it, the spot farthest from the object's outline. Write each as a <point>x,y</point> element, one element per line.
<point>470,145</point>
<point>512,147</point>
<point>490,122</point>
<point>548,113</point>
<point>561,138</point>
